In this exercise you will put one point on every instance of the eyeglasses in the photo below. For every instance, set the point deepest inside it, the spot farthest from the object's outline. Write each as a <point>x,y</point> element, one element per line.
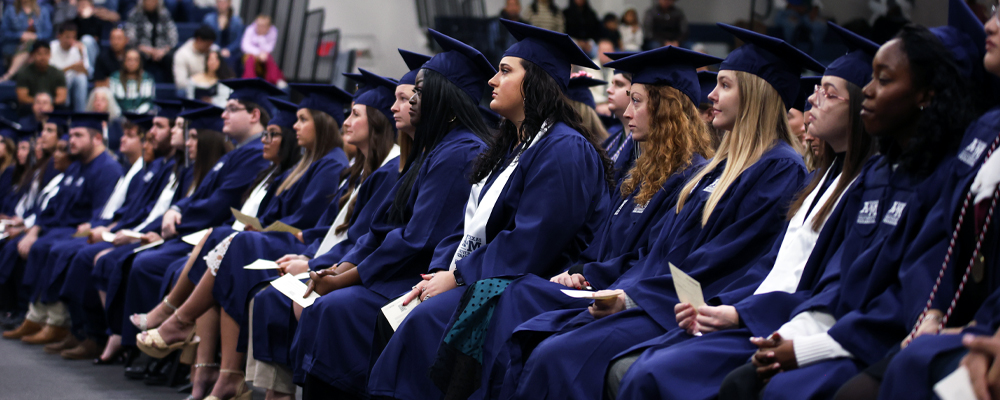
<point>993,16</point>
<point>267,137</point>
<point>822,95</point>
<point>234,109</point>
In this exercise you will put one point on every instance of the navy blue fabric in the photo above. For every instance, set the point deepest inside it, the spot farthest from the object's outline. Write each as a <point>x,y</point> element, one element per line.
<point>672,66</point>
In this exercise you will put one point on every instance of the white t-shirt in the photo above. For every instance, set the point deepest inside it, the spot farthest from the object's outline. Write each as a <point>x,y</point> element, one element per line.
<point>64,58</point>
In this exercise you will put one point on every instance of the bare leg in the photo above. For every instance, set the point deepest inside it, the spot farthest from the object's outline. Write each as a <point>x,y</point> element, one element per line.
<point>176,328</point>
<point>178,294</point>
<point>229,333</point>
<point>15,65</point>
<point>204,377</point>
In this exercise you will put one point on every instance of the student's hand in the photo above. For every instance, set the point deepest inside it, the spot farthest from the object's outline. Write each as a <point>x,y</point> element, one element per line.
<point>27,241</point>
<point>322,282</point>
<point>417,292</point>
<point>687,317</point>
<point>83,227</point>
<point>150,237</point>
<point>711,318</point>
<point>171,219</point>
<point>290,257</point>
<point>928,326</point>
<point>293,267</point>
<point>17,221</point>
<point>984,371</point>
<point>604,308</point>
<point>774,355</point>
<point>298,235</point>
<point>575,281</point>
<point>14,231</point>
<point>121,239</point>
<point>97,234</point>
<point>249,228</point>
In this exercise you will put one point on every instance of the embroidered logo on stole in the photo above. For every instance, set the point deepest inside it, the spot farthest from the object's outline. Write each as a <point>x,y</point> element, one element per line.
<point>711,188</point>
<point>638,209</point>
<point>972,152</point>
<point>79,182</point>
<point>218,166</point>
<point>868,213</point>
<point>149,175</point>
<point>895,213</point>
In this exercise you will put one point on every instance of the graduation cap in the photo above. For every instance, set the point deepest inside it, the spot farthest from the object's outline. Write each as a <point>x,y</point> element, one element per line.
<point>461,64</point>
<point>14,130</point>
<point>807,85</point>
<point>618,55</point>
<point>326,98</point>
<point>356,77</point>
<point>206,92</point>
<point>209,118</point>
<point>413,62</point>
<point>168,109</point>
<point>189,104</point>
<point>668,65</point>
<point>284,113</point>
<point>707,80</point>
<point>554,52</point>
<point>773,60</point>
<point>579,90</point>
<point>89,120</point>
<point>965,37</point>
<point>856,65</point>
<point>143,121</point>
<point>60,119</point>
<point>254,90</point>
<point>380,93</point>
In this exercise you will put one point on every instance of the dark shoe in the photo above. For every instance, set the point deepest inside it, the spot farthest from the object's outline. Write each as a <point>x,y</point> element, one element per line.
<point>86,350</point>
<point>27,327</point>
<point>139,367</point>
<point>58,347</point>
<point>11,320</point>
<point>48,334</point>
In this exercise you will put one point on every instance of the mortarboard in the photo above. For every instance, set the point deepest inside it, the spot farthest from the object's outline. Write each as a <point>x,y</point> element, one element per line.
<point>413,62</point>
<point>284,113</point>
<point>254,90</point>
<point>554,52</point>
<point>618,55</point>
<point>579,90</point>
<point>807,85</point>
<point>14,130</point>
<point>326,98</point>
<point>707,80</point>
<point>206,92</point>
<point>59,118</point>
<point>209,118</point>
<point>143,121</point>
<point>668,65</point>
<point>90,120</point>
<point>771,59</point>
<point>380,93</point>
<point>168,109</point>
<point>189,104</point>
<point>856,65</point>
<point>461,65</point>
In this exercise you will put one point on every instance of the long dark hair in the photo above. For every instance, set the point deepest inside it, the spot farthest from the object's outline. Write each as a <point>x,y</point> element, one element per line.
<point>543,99</point>
<point>328,137</point>
<point>123,74</point>
<point>224,72</point>
<point>941,124</point>
<point>860,147</point>
<point>23,170</point>
<point>212,145</point>
<point>381,137</point>
<point>443,107</point>
<point>289,153</point>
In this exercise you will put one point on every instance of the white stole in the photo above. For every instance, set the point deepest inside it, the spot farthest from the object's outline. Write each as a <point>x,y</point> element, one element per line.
<point>117,198</point>
<point>333,238</point>
<point>47,193</point>
<point>800,238</point>
<point>162,202</point>
<point>252,205</point>
<point>477,212</point>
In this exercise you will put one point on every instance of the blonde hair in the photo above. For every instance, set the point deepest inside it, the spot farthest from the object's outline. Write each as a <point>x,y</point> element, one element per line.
<point>761,121</point>
<point>676,134</point>
<point>328,137</point>
<point>589,119</point>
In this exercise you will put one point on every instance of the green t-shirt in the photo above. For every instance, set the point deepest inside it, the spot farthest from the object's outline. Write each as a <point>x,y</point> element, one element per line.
<point>40,81</point>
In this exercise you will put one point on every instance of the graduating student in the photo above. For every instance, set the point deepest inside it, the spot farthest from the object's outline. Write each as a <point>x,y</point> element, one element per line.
<point>661,371</point>
<point>915,105</point>
<point>707,80</point>
<point>582,100</point>
<point>245,116</point>
<point>528,204</point>
<point>663,91</point>
<point>370,128</point>
<point>83,192</point>
<point>619,145</point>
<point>728,215</point>
<point>422,209</point>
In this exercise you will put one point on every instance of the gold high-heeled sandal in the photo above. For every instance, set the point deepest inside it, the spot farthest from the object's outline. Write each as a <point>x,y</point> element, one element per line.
<point>243,393</point>
<point>153,344</point>
<point>143,323</point>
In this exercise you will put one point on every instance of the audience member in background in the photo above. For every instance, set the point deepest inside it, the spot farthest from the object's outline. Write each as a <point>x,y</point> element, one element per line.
<point>189,59</point>
<point>544,14</point>
<point>610,30</point>
<point>582,25</point>
<point>133,87</point>
<point>152,30</point>
<point>40,109</point>
<point>664,24</point>
<point>228,30</point>
<point>22,24</point>
<point>110,59</point>
<point>62,11</point>
<point>630,31</point>
<point>39,77</point>
<point>70,57</point>
<point>512,10</point>
<point>101,100</point>
<point>800,23</point>
<point>90,23</point>
<point>259,40</point>
<point>205,85</point>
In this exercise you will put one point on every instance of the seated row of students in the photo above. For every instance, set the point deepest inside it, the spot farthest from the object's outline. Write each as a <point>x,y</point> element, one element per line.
<point>818,280</point>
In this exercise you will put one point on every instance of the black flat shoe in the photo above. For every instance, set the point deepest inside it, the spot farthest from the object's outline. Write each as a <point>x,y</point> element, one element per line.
<point>117,359</point>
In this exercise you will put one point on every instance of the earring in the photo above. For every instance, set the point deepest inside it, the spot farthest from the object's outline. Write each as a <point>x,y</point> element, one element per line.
<point>921,108</point>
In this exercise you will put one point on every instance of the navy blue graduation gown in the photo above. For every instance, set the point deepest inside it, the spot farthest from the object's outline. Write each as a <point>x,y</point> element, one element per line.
<point>548,212</point>
<point>390,259</point>
<point>744,224</point>
<point>6,186</point>
<point>273,320</point>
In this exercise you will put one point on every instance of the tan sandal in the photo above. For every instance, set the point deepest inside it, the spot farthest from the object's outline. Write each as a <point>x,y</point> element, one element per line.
<point>139,320</point>
<point>243,393</point>
<point>197,366</point>
<point>153,344</point>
